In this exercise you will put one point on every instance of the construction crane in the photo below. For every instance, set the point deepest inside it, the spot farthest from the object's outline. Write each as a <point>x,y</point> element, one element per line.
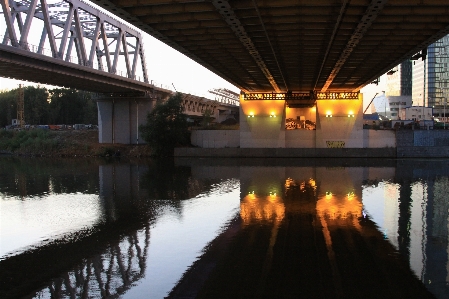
<point>20,107</point>
<point>370,103</point>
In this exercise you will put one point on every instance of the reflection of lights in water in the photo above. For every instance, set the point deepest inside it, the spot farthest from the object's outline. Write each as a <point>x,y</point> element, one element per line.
<point>350,195</point>
<point>255,209</point>
<point>289,182</point>
<point>303,185</point>
<point>336,207</point>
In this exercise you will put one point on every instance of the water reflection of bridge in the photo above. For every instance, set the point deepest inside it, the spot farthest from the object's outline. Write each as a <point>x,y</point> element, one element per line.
<point>302,229</point>
<point>309,230</point>
<point>107,259</point>
<point>108,274</point>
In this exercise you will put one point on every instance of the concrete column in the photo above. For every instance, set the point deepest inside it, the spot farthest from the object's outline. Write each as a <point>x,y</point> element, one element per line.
<point>119,120</point>
<point>339,123</point>
<point>138,111</point>
<point>105,121</point>
<point>262,124</point>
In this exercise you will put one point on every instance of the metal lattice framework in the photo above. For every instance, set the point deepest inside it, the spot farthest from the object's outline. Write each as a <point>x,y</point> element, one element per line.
<point>291,45</point>
<point>106,275</point>
<point>225,96</point>
<point>76,32</point>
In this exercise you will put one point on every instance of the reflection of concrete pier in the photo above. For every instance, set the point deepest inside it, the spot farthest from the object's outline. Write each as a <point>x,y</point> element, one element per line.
<point>108,257</point>
<point>302,233</point>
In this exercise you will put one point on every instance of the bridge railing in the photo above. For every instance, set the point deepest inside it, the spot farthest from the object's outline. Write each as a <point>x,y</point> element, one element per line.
<point>68,58</point>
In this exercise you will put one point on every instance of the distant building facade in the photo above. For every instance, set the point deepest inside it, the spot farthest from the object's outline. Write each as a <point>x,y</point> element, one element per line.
<point>416,113</point>
<point>389,107</point>
<point>399,80</point>
<point>399,92</point>
<point>431,77</point>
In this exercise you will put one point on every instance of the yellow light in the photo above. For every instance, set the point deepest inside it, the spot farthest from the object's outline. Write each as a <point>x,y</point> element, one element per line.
<point>350,195</point>
<point>272,114</point>
<point>251,114</point>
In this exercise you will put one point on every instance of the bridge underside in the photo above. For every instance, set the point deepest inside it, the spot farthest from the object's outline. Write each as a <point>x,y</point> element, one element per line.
<point>24,65</point>
<point>291,45</point>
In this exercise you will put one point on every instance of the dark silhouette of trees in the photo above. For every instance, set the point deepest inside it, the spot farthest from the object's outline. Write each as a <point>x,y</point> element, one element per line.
<point>54,106</point>
<point>166,127</point>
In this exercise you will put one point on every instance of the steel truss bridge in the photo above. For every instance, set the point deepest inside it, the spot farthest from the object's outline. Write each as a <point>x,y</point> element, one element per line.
<point>297,49</point>
<point>79,46</point>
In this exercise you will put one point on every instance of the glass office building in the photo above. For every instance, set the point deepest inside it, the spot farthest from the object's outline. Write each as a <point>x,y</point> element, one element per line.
<point>399,80</point>
<point>430,77</point>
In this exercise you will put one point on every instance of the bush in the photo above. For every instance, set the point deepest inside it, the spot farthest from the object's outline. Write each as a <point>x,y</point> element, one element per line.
<point>166,127</point>
<point>34,141</point>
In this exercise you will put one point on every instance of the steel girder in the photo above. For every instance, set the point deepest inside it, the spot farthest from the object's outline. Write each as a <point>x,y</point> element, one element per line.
<point>301,99</point>
<point>319,45</point>
<point>75,32</point>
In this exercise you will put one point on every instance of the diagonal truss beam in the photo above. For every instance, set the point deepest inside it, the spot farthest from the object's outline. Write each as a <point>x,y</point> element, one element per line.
<point>49,27</point>
<point>9,22</point>
<point>27,25</point>
<point>331,39</point>
<point>365,23</point>
<point>226,11</point>
<point>75,32</point>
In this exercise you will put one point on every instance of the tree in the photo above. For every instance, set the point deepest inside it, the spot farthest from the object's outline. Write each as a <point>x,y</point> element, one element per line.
<point>71,106</point>
<point>36,105</point>
<point>8,107</point>
<point>207,118</point>
<point>166,127</point>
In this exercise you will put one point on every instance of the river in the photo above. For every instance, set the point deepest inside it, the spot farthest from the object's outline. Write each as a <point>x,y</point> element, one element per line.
<point>224,228</point>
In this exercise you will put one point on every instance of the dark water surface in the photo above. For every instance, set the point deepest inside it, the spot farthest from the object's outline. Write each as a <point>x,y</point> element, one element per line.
<point>231,228</point>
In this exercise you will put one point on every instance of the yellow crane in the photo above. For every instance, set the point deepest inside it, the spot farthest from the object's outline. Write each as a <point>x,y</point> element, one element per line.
<point>20,107</point>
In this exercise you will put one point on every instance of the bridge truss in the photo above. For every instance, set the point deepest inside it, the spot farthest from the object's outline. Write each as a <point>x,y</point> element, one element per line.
<point>76,32</point>
<point>106,275</point>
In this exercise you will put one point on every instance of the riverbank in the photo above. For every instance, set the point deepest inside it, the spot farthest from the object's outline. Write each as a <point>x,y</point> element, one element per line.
<point>70,143</point>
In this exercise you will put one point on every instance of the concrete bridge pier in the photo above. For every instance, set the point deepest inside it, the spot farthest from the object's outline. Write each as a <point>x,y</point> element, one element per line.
<point>119,119</point>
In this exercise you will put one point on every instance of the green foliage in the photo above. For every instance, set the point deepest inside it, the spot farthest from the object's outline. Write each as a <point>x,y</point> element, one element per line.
<point>207,118</point>
<point>8,107</point>
<point>36,105</point>
<point>27,141</point>
<point>166,127</point>
<point>44,107</point>
<point>70,106</point>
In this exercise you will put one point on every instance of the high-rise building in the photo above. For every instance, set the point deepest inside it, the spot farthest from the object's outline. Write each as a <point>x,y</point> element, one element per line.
<point>398,94</point>
<point>399,80</point>
<point>431,77</point>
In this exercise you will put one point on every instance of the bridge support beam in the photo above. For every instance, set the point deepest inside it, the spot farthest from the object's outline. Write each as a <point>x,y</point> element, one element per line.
<point>326,120</point>
<point>119,119</point>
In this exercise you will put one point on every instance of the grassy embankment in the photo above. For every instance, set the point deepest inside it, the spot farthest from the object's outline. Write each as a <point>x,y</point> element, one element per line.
<point>38,142</point>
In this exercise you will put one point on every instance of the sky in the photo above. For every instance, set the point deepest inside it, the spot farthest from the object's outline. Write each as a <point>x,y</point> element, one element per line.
<point>165,66</point>
<point>171,68</point>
